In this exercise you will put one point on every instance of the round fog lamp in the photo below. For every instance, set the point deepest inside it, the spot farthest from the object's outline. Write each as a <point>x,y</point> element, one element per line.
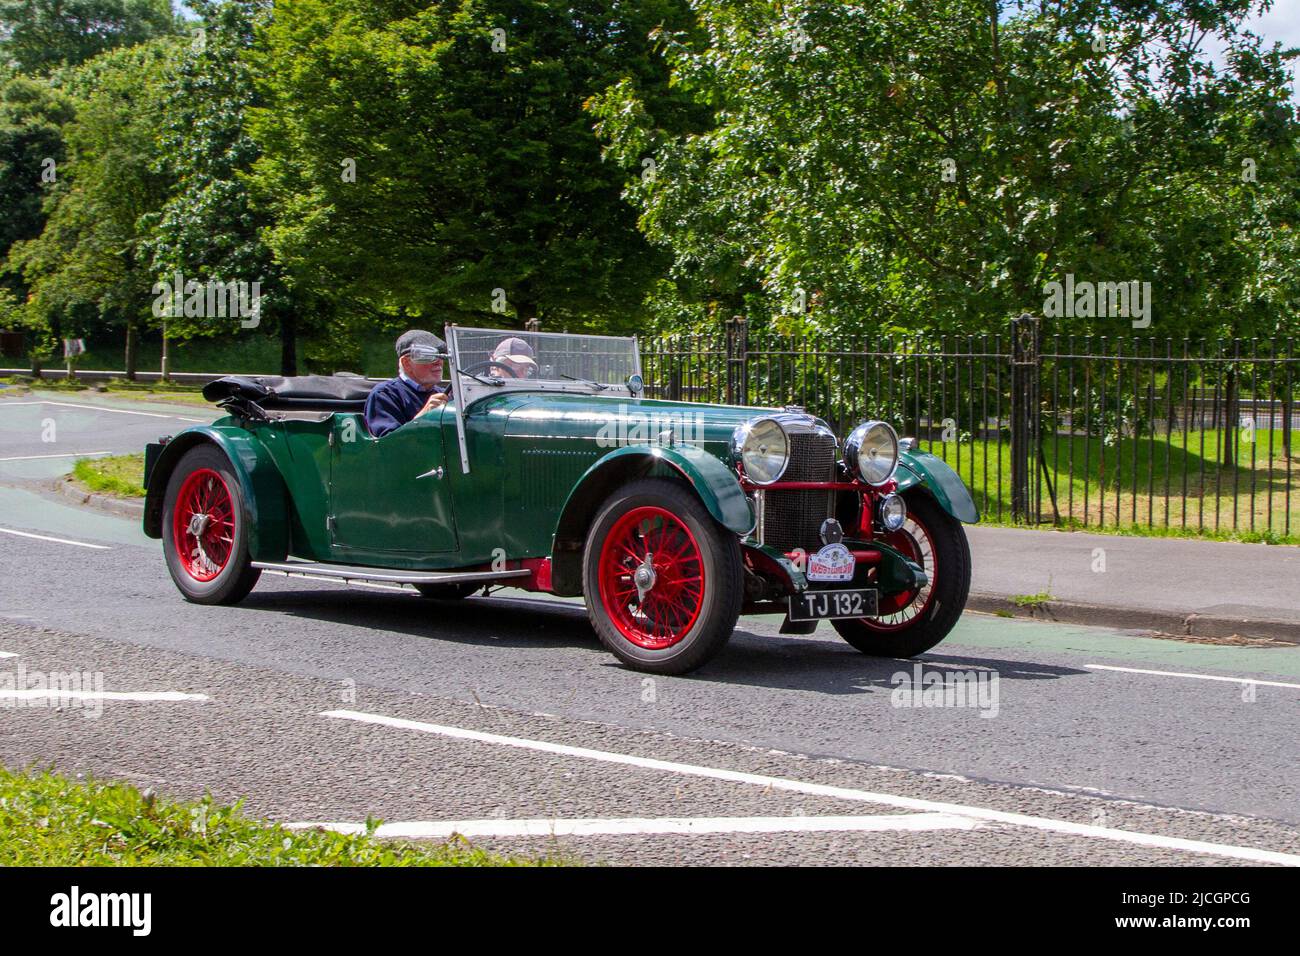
<point>892,512</point>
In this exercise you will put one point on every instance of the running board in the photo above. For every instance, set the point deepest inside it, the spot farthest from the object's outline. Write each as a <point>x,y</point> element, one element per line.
<point>348,572</point>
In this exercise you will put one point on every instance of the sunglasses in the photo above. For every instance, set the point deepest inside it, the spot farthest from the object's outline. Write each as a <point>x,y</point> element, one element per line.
<point>425,354</point>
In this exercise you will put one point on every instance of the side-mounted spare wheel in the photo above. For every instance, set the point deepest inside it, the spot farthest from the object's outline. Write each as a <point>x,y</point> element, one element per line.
<point>204,534</point>
<point>663,581</point>
<point>914,621</point>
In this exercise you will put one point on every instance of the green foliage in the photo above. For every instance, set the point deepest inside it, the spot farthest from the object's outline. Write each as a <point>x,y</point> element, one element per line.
<point>48,820</point>
<point>90,264</point>
<point>32,114</point>
<point>933,163</point>
<point>39,35</point>
<point>475,167</point>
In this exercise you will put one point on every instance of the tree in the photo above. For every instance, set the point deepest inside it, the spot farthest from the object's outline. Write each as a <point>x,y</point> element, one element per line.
<point>933,164</point>
<point>433,160</point>
<point>32,113</point>
<point>91,263</point>
<point>208,229</point>
<point>39,35</point>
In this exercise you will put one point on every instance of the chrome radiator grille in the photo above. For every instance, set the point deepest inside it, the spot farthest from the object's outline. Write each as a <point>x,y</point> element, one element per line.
<point>793,519</point>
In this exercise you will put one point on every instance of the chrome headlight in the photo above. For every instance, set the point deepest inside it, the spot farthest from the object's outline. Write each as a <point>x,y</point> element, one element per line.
<point>891,512</point>
<point>762,450</point>
<point>871,452</point>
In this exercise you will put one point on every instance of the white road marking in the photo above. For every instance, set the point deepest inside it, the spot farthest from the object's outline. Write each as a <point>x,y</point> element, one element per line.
<point>635,826</point>
<point>70,454</point>
<point>138,695</point>
<point>105,408</point>
<point>1230,680</point>
<point>4,654</point>
<point>840,793</point>
<point>46,537</point>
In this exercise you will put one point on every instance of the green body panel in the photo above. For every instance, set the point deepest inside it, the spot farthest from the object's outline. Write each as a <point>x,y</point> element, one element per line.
<point>921,468</point>
<point>320,488</point>
<point>259,475</point>
<point>713,481</point>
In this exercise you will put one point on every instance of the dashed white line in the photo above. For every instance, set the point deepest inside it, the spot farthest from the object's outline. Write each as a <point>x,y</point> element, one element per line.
<point>105,408</point>
<point>46,537</point>
<point>640,826</point>
<point>4,654</point>
<point>1229,680</point>
<point>137,695</point>
<point>70,454</point>
<point>842,793</point>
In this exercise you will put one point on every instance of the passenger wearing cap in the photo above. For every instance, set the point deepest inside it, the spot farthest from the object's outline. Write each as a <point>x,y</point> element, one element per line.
<point>415,390</point>
<point>516,355</point>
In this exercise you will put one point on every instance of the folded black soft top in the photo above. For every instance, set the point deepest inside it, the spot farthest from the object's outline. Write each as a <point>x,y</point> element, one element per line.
<point>303,392</point>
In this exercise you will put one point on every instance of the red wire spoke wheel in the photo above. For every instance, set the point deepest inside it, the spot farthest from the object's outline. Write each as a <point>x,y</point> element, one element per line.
<point>651,577</point>
<point>913,621</point>
<point>203,524</point>
<point>204,536</point>
<point>663,580</point>
<point>897,611</point>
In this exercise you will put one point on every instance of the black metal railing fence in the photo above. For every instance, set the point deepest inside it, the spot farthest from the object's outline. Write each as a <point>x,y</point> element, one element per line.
<point>1093,431</point>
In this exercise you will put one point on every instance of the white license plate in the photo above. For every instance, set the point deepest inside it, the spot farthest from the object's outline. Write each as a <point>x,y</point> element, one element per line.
<point>833,604</point>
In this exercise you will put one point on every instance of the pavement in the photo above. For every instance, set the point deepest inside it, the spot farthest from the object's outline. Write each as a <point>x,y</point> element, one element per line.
<point>1177,586</point>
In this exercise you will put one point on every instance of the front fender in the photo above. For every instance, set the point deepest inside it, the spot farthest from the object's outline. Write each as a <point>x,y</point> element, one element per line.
<point>265,499</point>
<point>917,467</point>
<point>715,483</point>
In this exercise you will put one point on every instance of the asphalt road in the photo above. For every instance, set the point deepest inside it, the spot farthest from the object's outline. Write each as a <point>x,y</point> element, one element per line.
<point>328,704</point>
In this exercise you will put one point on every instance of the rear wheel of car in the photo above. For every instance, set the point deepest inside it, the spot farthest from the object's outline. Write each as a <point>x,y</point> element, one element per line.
<point>449,592</point>
<point>914,621</point>
<point>663,580</point>
<point>205,538</point>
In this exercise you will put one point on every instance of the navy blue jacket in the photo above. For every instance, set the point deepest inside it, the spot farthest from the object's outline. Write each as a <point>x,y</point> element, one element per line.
<point>394,403</point>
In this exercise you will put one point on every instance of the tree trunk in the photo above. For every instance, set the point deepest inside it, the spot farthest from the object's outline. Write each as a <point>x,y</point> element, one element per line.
<point>1231,420</point>
<point>288,344</point>
<point>132,346</point>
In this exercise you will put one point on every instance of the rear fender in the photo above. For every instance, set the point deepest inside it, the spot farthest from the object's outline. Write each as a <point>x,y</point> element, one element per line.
<point>265,499</point>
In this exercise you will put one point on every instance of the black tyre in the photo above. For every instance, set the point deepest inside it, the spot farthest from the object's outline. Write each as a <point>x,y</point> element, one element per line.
<point>205,533</point>
<point>913,622</point>
<point>663,580</point>
<point>449,592</point>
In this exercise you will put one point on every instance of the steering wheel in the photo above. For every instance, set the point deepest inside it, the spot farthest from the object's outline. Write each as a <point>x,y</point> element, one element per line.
<point>491,363</point>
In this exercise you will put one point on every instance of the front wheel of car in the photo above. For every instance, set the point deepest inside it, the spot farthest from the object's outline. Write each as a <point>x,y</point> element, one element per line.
<point>205,533</point>
<point>913,621</point>
<point>663,580</point>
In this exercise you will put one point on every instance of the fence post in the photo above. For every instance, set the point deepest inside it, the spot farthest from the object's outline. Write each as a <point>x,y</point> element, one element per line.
<point>737,359</point>
<point>1024,384</point>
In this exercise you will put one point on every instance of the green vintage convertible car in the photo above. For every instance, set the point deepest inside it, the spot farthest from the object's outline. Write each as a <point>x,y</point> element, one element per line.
<point>671,519</point>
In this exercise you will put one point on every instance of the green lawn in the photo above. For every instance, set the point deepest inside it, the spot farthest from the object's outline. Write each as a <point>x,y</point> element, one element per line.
<point>1122,487</point>
<point>49,820</point>
<point>121,476</point>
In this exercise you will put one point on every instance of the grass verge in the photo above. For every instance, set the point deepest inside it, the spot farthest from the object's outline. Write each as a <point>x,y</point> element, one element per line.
<point>121,476</point>
<point>48,820</point>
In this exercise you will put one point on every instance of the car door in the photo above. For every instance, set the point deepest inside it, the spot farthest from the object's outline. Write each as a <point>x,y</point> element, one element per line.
<point>390,494</point>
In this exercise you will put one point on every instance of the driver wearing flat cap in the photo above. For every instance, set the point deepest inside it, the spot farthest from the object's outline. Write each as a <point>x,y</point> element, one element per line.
<point>415,391</point>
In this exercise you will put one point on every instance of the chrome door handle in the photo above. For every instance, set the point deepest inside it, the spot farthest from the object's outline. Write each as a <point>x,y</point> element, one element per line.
<point>432,473</point>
